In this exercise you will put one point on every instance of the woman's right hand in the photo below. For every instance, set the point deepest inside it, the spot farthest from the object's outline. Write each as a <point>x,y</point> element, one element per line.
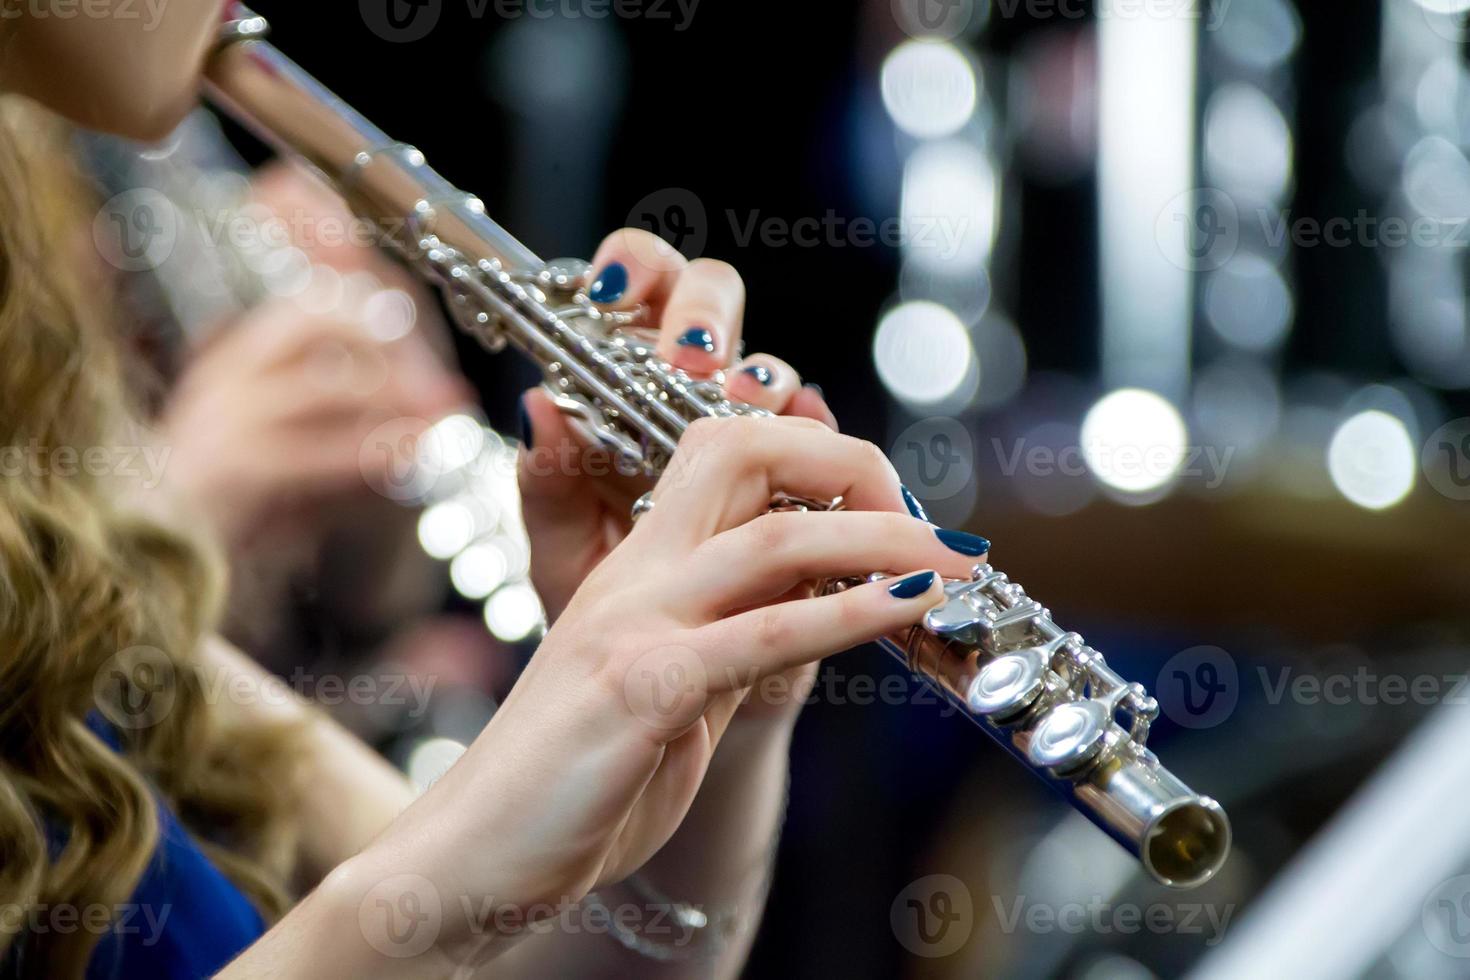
<point>594,759</point>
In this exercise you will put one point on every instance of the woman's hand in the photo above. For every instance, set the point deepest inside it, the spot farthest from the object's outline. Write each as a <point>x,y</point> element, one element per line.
<point>576,506</point>
<point>594,759</point>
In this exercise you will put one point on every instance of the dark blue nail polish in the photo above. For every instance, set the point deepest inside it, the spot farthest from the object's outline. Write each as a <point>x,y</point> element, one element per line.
<point>817,388</point>
<point>698,337</point>
<point>761,374</point>
<point>912,503</point>
<point>611,284</point>
<point>912,587</point>
<point>523,417</point>
<point>966,544</point>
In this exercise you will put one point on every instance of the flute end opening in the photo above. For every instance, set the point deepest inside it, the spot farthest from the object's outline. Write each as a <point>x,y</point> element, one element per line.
<point>1188,843</point>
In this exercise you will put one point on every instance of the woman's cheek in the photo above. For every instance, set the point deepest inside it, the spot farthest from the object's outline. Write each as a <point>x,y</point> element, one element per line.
<point>136,75</point>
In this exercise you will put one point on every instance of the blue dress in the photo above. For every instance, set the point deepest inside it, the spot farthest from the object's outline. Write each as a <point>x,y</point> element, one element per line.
<point>186,919</point>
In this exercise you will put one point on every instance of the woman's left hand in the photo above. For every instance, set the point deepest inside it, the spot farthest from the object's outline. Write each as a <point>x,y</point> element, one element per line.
<point>576,506</point>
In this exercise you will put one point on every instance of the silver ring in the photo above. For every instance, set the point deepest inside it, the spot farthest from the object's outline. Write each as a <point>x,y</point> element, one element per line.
<point>247,26</point>
<point>642,506</point>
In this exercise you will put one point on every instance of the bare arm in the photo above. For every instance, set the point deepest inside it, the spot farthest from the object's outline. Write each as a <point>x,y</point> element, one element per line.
<point>716,861</point>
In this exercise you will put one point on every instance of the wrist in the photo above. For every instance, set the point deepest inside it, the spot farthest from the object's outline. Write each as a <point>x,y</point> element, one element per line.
<point>402,922</point>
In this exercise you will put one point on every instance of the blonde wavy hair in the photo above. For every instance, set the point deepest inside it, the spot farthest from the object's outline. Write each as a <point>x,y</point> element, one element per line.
<point>98,609</point>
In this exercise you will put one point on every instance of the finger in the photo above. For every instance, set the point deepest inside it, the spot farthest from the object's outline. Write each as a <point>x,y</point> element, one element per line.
<point>726,471</point>
<point>699,330</point>
<point>767,557</point>
<point>738,650</point>
<point>810,403</point>
<point>634,267</point>
<point>765,382</point>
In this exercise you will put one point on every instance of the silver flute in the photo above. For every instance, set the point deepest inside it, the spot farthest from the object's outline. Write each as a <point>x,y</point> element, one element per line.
<point>991,650</point>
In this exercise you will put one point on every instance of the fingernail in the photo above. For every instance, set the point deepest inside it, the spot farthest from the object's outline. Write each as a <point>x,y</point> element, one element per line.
<point>912,503</point>
<point>966,544</point>
<point>698,337</point>
<point>817,388</point>
<point>761,374</point>
<point>912,587</point>
<point>523,417</point>
<point>611,284</point>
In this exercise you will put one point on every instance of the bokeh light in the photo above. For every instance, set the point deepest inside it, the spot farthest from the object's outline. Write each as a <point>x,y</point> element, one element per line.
<point>923,353</point>
<point>929,88</point>
<point>1249,304</point>
<point>949,208</point>
<point>1248,144</point>
<point>1372,460</point>
<point>446,528</point>
<point>431,759</point>
<point>1134,441</point>
<point>479,570</point>
<point>514,612</point>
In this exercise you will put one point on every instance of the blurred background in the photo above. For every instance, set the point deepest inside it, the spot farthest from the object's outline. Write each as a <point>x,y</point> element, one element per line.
<point>1166,297</point>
